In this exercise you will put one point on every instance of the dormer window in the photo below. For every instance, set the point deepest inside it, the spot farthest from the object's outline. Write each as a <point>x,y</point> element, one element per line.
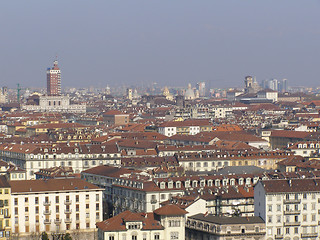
<point>217,183</point>
<point>162,185</point>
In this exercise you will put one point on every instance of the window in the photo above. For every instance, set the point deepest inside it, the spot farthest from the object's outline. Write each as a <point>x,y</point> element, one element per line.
<point>278,207</point>
<point>87,196</point>
<point>111,237</point>
<point>287,230</point>
<point>305,207</point>
<point>77,198</point>
<point>134,237</point>
<point>16,201</point>
<point>269,208</point>
<point>296,230</point>
<point>26,200</point>
<point>97,197</point>
<point>174,235</point>
<point>156,236</point>
<point>57,199</point>
<point>304,217</point>
<point>36,200</point>
<point>97,206</point>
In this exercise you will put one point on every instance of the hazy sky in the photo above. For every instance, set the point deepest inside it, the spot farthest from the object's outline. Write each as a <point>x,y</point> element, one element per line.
<point>171,42</point>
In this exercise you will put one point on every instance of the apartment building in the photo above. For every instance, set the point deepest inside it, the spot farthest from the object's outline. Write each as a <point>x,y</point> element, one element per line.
<point>204,226</point>
<point>167,222</point>
<point>289,207</point>
<point>187,127</point>
<point>5,203</point>
<point>33,157</point>
<point>138,191</point>
<point>212,161</point>
<point>305,148</point>
<point>55,206</point>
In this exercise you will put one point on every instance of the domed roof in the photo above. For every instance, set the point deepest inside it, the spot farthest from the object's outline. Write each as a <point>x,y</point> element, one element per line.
<point>189,94</point>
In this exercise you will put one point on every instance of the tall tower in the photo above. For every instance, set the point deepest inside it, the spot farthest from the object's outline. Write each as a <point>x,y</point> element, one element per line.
<point>54,80</point>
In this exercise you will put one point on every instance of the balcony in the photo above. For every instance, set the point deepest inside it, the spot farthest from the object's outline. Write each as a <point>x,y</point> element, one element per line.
<point>57,221</point>
<point>47,212</point>
<point>309,235</point>
<point>292,212</point>
<point>278,236</point>
<point>153,201</point>
<point>47,203</point>
<point>67,211</point>
<point>67,202</point>
<point>47,221</point>
<point>68,220</point>
<point>291,201</point>
<point>292,224</point>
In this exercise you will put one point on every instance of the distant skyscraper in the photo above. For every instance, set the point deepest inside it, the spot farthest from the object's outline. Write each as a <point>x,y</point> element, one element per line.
<point>283,85</point>
<point>54,80</point>
<point>201,86</point>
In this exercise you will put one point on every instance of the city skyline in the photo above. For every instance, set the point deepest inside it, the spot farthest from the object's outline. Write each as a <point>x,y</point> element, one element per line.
<point>126,43</point>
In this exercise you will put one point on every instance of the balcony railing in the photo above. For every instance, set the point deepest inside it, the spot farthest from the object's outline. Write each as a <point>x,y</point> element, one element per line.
<point>46,203</point>
<point>292,201</point>
<point>47,221</point>
<point>67,211</point>
<point>292,224</point>
<point>47,212</point>
<point>68,220</point>
<point>309,235</point>
<point>67,202</point>
<point>292,212</point>
<point>57,221</point>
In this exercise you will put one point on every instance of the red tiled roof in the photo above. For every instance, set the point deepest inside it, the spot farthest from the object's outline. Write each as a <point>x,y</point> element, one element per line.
<point>118,222</point>
<point>51,185</point>
<point>170,210</point>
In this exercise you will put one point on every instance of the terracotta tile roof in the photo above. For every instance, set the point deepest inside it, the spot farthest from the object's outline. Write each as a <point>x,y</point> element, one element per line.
<point>109,171</point>
<point>51,185</point>
<point>118,222</point>
<point>113,112</point>
<point>170,210</point>
<point>291,185</point>
<point>58,125</point>
<point>289,134</point>
<point>4,182</point>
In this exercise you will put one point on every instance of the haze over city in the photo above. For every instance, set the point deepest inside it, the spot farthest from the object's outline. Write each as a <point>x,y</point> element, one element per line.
<point>168,42</point>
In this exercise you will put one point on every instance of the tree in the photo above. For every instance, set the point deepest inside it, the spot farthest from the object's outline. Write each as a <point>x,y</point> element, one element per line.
<point>67,236</point>
<point>44,236</point>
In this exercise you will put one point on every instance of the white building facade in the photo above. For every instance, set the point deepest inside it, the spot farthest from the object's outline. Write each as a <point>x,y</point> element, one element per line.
<point>54,206</point>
